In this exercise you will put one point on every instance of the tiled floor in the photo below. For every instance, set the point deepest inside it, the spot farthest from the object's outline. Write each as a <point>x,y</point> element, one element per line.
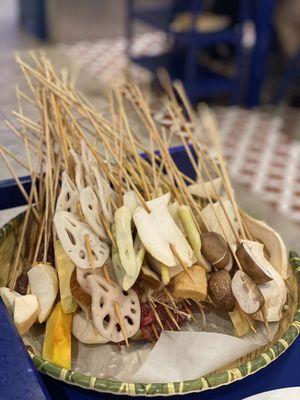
<point>12,40</point>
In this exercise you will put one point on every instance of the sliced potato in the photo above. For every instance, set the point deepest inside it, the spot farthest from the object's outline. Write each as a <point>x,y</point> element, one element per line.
<point>25,312</point>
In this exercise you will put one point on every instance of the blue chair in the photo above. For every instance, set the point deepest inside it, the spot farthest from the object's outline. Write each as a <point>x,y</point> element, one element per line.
<point>182,61</point>
<point>290,76</point>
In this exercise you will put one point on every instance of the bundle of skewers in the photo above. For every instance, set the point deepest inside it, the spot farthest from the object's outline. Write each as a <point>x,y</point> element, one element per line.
<point>123,244</point>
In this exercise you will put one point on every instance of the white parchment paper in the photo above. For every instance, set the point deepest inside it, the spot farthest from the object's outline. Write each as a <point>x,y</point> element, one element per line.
<point>176,356</point>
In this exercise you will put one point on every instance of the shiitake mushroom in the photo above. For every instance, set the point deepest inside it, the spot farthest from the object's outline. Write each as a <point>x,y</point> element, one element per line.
<point>219,287</point>
<point>215,249</point>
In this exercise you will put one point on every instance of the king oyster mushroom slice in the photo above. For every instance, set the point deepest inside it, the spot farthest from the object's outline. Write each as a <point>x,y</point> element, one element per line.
<point>105,320</point>
<point>166,224</point>
<point>84,330</point>
<point>207,189</point>
<point>71,233</point>
<point>273,243</point>
<point>274,293</point>
<point>220,223</point>
<point>152,237</point>
<point>246,292</point>
<point>68,196</point>
<point>252,259</point>
<point>91,210</point>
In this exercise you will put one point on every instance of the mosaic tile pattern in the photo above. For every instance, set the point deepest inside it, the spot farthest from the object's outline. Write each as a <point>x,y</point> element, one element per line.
<point>262,158</point>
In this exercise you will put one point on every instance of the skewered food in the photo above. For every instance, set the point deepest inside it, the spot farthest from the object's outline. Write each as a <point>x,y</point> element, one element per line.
<point>44,284</point>
<point>138,245</point>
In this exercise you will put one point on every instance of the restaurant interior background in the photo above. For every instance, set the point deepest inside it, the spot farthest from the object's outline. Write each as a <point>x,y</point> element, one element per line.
<point>241,56</point>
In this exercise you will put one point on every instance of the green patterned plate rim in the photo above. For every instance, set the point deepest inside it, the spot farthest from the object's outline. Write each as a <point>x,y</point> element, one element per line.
<point>171,388</point>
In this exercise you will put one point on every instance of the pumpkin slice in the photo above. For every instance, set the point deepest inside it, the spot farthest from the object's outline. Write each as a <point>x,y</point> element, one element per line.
<point>68,197</point>
<point>105,320</point>
<point>57,342</point>
<point>91,210</point>
<point>43,283</point>
<point>71,233</point>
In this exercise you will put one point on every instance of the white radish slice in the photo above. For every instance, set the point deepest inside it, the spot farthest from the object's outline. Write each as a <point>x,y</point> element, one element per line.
<point>124,240</point>
<point>71,233</point>
<point>161,201</point>
<point>68,196</point>
<point>8,297</point>
<point>105,194</point>
<point>153,238</point>
<point>105,320</point>
<point>84,330</point>
<point>207,189</point>
<point>220,223</point>
<point>172,233</point>
<point>43,284</point>
<point>91,210</point>
<point>25,312</point>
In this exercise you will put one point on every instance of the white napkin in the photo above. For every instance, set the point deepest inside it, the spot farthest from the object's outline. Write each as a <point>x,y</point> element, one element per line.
<point>179,356</point>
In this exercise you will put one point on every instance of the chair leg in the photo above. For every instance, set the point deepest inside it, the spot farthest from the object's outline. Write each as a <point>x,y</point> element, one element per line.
<point>288,77</point>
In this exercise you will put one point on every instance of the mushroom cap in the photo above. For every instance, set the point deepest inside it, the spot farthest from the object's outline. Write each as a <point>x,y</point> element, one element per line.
<point>215,249</point>
<point>246,292</point>
<point>219,286</point>
<point>250,255</point>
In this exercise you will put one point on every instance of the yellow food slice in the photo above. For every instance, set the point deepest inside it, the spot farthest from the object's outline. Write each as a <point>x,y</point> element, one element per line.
<point>57,343</point>
<point>192,285</point>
